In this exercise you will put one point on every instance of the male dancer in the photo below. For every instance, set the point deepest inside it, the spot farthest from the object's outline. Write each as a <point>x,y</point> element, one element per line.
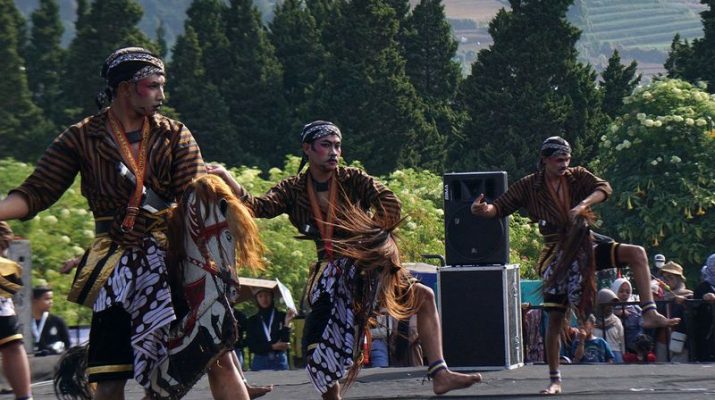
<point>15,365</point>
<point>554,196</point>
<point>129,327</point>
<point>312,201</point>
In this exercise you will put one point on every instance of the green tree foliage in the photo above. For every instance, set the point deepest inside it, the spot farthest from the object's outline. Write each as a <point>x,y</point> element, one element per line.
<point>161,40</point>
<point>367,93</point>
<point>207,18</point>
<point>527,86</point>
<point>45,59</point>
<point>294,34</point>
<point>430,50</point>
<point>254,90</point>
<point>618,82</point>
<point>22,124</point>
<point>199,102</point>
<point>659,158</point>
<point>695,62</point>
<point>109,25</point>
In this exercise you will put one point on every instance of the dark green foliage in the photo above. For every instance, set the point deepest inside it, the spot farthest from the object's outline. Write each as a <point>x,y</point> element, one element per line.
<point>618,82</point>
<point>45,59</point>
<point>109,25</point>
<point>161,40</point>
<point>253,90</point>
<point>367,93</point>
<point>527,86</point>
<point>23,128</point>
<point>199,102</point>
<point>295,36</point>
<point>696,61</point>
<point>206,17</point>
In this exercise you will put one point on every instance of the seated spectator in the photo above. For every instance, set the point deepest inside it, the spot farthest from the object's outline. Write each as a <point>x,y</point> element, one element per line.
<point>379,354</point>
<point>49,331</point>
<point>608,326</point>
<point>643,347</point>
<point>268,334</point>
<point>630,314</point>
<point>673,276</point>
<point>588,348</point>
<point>568,337</point>
<point>703,323</point>
<point>405,348</point>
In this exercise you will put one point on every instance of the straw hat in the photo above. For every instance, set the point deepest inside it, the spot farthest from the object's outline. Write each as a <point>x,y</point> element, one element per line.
<point>673,268</point>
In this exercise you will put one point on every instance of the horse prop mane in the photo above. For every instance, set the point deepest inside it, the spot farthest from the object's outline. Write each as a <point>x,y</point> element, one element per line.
<point>210,234</point>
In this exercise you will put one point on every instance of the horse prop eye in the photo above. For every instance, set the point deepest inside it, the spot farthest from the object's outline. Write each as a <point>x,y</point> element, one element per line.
<point>228,235</point>
<point>223,206</point>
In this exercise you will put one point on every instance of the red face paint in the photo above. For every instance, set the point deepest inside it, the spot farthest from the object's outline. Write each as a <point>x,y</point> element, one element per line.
<point>148,94</point>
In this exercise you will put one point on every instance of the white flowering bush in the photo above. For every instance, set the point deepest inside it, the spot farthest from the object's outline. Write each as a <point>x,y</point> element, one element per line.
<point>660,159</point>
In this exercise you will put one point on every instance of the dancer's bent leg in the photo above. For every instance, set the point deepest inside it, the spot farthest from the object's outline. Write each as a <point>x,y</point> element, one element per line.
<point>110,390</point>
<point>430,331</point>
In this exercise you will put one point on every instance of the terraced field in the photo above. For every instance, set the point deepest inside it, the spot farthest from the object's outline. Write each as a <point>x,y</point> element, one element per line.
<point>639,24</point>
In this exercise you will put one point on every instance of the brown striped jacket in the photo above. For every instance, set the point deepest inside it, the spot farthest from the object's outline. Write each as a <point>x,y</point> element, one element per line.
<point>532,194</point>
<point>290,196</point>
<point>87,147</point>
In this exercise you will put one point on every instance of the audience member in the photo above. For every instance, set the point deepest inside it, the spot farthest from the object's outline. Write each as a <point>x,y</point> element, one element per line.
<point>629,314</point>
<point>643,347</point>
<point>676,291</point>
<point>703,320</point>
<point>658,263</point>
<point>379,352</point>
<point>242,323</point>
<point>268,333</point>
<point>49,331</point>
<point>405,347</point>
<point>588,348</point>
<point>608,326</point>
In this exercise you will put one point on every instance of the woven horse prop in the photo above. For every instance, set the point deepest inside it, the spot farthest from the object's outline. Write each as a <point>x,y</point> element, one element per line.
<point>210,235</point>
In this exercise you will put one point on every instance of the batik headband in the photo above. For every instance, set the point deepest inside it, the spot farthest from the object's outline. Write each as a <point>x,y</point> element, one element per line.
<point>318,129</point>
<point>128,64</point>
<point>314,131</point>
<point>555,146</point>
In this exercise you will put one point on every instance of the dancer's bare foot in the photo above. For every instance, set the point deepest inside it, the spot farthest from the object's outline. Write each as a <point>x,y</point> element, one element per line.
<point>654,319</point>
<point>446,380</point>
<point>553,388</point>
<point>255,392</point>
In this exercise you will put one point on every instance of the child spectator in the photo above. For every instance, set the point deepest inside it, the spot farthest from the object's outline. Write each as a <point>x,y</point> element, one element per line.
<point>588,348</point>
<point>630,314</point>
<point>608,326</point>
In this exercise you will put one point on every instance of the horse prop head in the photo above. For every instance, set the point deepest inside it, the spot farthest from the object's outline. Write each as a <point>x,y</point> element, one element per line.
<point>211,234</point>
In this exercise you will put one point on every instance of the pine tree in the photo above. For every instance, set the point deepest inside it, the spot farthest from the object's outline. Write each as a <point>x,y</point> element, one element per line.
<point>200,104</point>
<point>367,93</point>
<point>161,40</point>
<point>696,61</point>
<point>295,36</point>
<point>22,125</point>
<point>430,50</point>
<point>109,25</point>
<point>618,82</point>
<point>45,58</point>
<point>527,86</point>
<point>207,18</point>
<point>254,88</point>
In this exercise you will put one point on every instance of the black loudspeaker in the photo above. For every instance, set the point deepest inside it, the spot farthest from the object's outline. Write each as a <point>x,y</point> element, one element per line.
<point>472,240</point>
<point>481,317</point>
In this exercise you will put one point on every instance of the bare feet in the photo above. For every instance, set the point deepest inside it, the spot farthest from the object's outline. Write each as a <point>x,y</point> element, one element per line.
<point>255,392</point>
<point>553,388</point>
<point>654,319</point>
<point>447,380</point>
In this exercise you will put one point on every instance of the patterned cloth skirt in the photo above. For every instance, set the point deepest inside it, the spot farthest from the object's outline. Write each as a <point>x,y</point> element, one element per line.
<point>139,284</point>
<point>331,332</point>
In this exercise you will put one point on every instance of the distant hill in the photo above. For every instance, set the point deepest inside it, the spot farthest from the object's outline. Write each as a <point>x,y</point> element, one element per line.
<point>639,29</point>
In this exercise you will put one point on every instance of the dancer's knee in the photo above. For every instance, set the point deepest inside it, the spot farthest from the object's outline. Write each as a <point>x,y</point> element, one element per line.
<point>632,254</point>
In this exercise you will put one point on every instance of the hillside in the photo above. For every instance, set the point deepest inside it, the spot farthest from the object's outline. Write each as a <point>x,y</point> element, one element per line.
<point>640,29</point>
